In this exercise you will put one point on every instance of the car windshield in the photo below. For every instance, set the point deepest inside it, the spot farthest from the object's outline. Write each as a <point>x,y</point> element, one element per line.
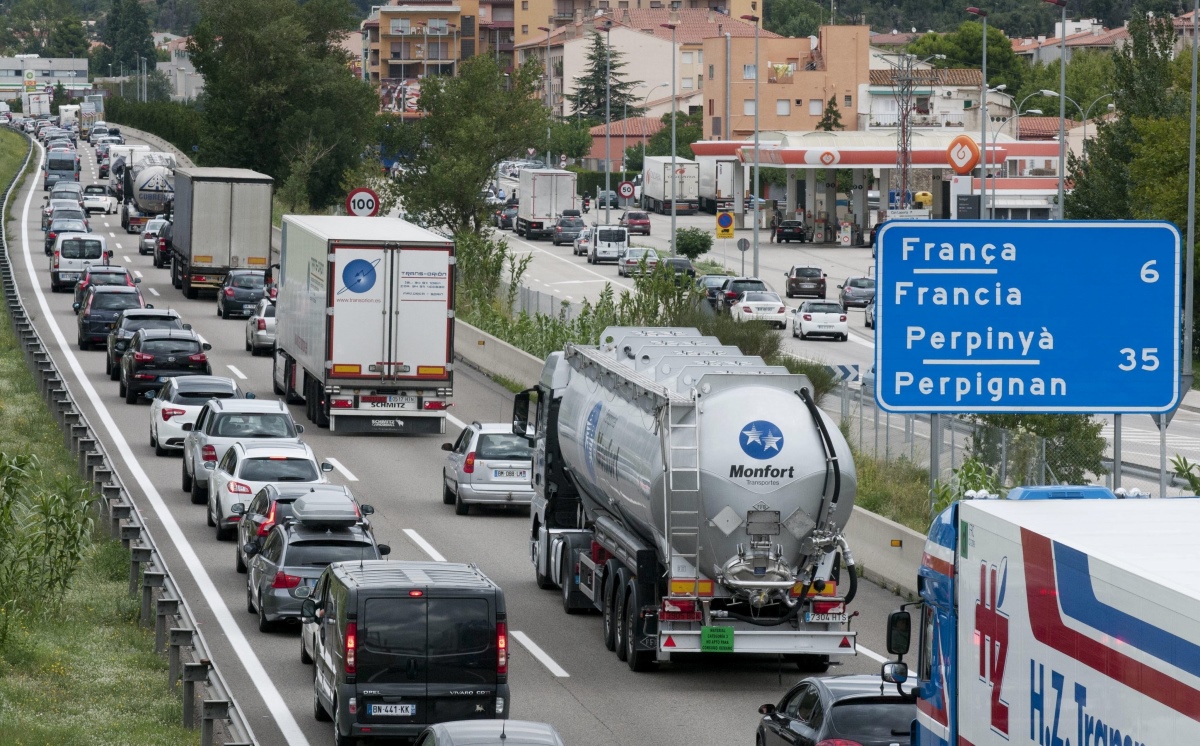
<point>824,308</point>
<point>873,720</point>
<point>650,254</point>
<point>252,282</point>
<point>61,214</point>
<point>268,311</point>
<point>862,282</point>
<point>248,425</point>
<point>153,226</point>
<point>80,248</point>
<point>503,446</point>
<point>94,190</point>
<point>790,224</point>
<point>322,553</point>
<point>279,469</point>
<point>116,301</point>
<point>637,216</point>
<point>682,264</point>
<point>742,286</point>
<point>68,226</point>
<point>60,162</point>
<point>198,397</point>
<point>807,272</point>
<point>611,235</point>
<point>108,278</point>
<point>171,346</point>
<point>761,298</point>
<point>151,323</point>
<point>714,281</point>
<point>571,222</point>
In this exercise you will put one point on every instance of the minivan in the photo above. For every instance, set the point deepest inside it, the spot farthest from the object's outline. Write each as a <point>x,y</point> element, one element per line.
<point>399,646</point>
<point>73,253</point>
<point>59,165</point>
<point>608,243</point>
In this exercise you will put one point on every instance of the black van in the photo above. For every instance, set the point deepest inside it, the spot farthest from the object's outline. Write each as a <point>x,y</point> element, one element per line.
<point>398,646</point>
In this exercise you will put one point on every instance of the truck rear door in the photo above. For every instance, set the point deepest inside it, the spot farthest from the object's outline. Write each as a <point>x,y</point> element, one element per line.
<point>212,208</point>
<point>250,239</point>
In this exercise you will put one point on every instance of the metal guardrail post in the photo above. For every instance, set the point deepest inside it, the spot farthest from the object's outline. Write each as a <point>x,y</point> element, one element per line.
<point>151,579</point>
<point>101,477</point>
<point>76,436</point>
<point>119,511</point>
<point>192,673</point>
<point>166,607</point>
<point>212,709</point>
<point>88,452</point>
<point>179,637</point>
<point>129,535</point>
<point>138,556</point>
<point>71,418</point>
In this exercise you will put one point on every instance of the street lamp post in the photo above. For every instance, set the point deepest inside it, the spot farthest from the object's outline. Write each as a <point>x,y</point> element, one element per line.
<point>1084,112</point>
<point>549,99</point>
<point>757,74</point>
<point>607,120</point>
<point>983,161</point>
<point>995,138</point>
<point>1191,211</point>
<point>646,103</point>
<point>674,105</point>
<point>454,51</point>
<point>1062,104</point>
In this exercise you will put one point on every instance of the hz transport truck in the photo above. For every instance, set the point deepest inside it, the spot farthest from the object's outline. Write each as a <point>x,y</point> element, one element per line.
<point>656,185</point>
<point>1060,616</point>
<point>716,184</point>
<point>222,221</point>
<point>364,323</point>
<point>544,194</point>
<point>693,495</point>
<point>147,187</point>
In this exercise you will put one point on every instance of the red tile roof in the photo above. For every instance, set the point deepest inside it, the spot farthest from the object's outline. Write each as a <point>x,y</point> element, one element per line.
<point>1041,128</point>
<point>950,76</point>
<point>1106,38</point>
<point>633,127</point>
<point>694,25</point>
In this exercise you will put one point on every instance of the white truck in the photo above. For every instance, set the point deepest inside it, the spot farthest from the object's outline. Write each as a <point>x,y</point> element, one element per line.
<point>68,114</point>
<point>1058,616</point>
<point>656,184</point>
<point>543,195</point>
<point>693,495</point>
<point>716,184</point>
<point>364,323</point>
<point>222,221</point>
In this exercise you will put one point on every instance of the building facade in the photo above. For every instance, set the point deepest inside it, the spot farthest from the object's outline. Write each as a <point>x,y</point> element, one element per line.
<point>407,41</point>
<point>35,74</point>
<point>530,14</point>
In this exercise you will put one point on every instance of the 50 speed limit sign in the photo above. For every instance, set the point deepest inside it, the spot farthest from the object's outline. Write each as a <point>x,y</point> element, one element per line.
<point>363,203</point>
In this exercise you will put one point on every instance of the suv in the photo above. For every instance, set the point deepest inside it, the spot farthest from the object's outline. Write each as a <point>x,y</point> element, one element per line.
<point>273,504</point>
<point>179,402</point>
<point>99,309</point>
<point>436,651</point>
<point>685,273</point>
<point>857,291</point>
<point>733,289</point>
<point>101,274</point>
<point>806,281</point>
<point>224,422</point>
<point>130,322</point>
<point>487,465</point>
<point>155,355</point>
<point>240,292</point>
<point>567,229</point>
<point>323,529</point>
<point>248,467</point>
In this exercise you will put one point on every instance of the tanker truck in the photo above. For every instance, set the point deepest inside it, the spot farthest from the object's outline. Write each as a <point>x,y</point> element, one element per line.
<point>693,495</point>
<point>148,188</point>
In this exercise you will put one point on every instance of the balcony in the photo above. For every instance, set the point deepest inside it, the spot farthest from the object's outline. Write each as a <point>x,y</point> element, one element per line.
<point>781,74</point>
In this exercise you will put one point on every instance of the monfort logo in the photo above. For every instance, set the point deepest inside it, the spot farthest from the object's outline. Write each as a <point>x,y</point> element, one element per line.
<point>761,472</point>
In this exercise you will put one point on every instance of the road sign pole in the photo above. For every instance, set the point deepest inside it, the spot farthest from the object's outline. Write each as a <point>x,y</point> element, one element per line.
<point>1116,472</point>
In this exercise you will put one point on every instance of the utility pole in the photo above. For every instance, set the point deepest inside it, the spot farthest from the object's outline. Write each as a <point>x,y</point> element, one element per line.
<point>904,79</point>
<point>607,119</point>
<point>983,118</point>
<point>674,116</point>
<point>757,165</point>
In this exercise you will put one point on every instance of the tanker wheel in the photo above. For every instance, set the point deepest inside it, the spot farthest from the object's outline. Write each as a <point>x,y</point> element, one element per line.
<point>610,602</point>
<point>566,579</point>
<point>619,602</point>
<point>545,582</point>
<point>638,660</point>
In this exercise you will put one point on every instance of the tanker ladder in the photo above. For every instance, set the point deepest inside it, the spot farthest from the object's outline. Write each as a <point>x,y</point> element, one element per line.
<point>683,504</point>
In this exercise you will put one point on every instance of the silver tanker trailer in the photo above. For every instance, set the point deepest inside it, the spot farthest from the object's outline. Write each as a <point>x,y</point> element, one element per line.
<point>693,495</point>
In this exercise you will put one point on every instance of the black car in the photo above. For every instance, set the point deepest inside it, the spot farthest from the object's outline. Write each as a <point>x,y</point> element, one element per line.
<point>790,230</point>
<point>710,285</point>
<point>503,218</point>
<point>128,323</point>
<point>99,309</point>
<point>838,709</point>
<point>566,230</point>
<point>607,199</point>
<point>241,292</point>
<point>164,247</point>
<point>154,355</point>
<point>733,289</point>
<point>63,225</point>
<point>682,267</point>
<point>99,274</point>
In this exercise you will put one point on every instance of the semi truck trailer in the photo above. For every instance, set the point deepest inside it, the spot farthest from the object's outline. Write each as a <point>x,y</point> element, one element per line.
<point>544,194</point>
<point>656,184</point>
<point>716,184</point>
<point>693,495</point>
<point>147,187</point>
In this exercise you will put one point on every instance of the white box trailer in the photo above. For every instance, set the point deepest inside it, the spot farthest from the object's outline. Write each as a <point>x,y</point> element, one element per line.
<point>222,221</point>
<point>656,184</point>
<point>716,184</point>
<point>543,195</point>
<point>365,323</point>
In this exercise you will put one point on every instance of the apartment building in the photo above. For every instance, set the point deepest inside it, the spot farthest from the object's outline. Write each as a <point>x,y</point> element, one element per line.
<point>530,14</point>
<point>407,41</point>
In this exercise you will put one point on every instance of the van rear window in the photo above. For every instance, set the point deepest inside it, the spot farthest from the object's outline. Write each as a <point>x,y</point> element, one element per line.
<point>81,248</point>
<point>60,162</point>
<point>612,236</point>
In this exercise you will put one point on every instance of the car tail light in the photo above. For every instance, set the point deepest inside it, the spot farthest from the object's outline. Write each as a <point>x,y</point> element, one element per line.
<point>501,647</point>
<point>208,453</point>
<point>782,310</point>
<point>51,235</point>
<point>808,317</point>
<point>283,580</point>
<point>129,280</point>
<point>142,357</point>
<point>435,405</point>
<point>262,325</point>
<point>747,309</point>
<point>238,488</point>
<point>228,292</point>
<point>162,244</point>
<point>273,293</point>
<point>169,412</point>
<point>199,357</point>
<point>350,652</point>
<point>842,317</point>
<point>730,294</point>
<point>265,528</point>
<point>679,610</point>
<point>469,465</point>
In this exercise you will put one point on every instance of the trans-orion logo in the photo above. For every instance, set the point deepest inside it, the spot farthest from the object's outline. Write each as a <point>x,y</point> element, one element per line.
<point>358,276</point>
<point>589,438</point>
<point>761,440</point>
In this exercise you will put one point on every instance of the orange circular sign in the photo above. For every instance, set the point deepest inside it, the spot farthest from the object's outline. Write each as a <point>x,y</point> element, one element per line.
<point>963,154</point>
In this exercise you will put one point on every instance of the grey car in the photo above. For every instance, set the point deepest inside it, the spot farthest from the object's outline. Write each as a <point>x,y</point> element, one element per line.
<point>260,328</point>
<point>487,465</point>
<point>490,733</point>
<point>223,422</point>
<point>148,240</point>
<point>869,321</point>
<point>567,229</point>
<point>857,291</point>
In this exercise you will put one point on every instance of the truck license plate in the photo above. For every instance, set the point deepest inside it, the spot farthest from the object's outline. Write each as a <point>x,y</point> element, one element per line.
<point>396,402</point>
<point>400,710</point>
<point>825,618</point>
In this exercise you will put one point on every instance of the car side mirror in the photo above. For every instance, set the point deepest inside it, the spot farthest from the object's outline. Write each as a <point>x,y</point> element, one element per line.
<point>75,306</point>
<point>326,467</point>
<point>187,426</point>
<point>137,281</point>
<point>447,446</point>
<point>894,672</point>
<point>149,395</point>
<point>149,305</point>
<point>237,509</point>
<point>839,287</point>
<point>899,630</point>
<point>252,396</point>
<point>299,428</point>
<point>210,465</point>
<point>205,346</point>
<point>250,548</point>
<point>384,550</point>
<point>187,326</point>
<point>767,709</point>
<point>366,509</point>
<point>308,610</point>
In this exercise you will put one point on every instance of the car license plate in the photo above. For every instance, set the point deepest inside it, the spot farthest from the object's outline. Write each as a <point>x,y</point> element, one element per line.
<point>824,326</point>
<point>247,307</point>
<point>69,276</point>
<point>396,710</point>
<point>510,473</point>
<point>826,618</point>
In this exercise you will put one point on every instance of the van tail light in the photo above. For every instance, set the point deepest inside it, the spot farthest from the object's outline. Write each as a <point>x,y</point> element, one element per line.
<point>283,580</point>
<point>169,412</point>
<point>142,357</point>
<point>469,465</point>
<point>238,488</point>
<point>351,651</point>
<point>262,325</point>
<point>502,647</point>
<point>842,317</point>
<point>199,357</point>
<point>208,453</point>
<point>228,292</point>
<point>679,610</point>
<point>58,256</point>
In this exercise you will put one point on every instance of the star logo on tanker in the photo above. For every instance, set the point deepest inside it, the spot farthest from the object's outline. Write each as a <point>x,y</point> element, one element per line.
<point>761,439</point>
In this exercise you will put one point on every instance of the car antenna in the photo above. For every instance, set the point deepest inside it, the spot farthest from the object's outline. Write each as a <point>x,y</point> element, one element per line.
<point>503,727</point>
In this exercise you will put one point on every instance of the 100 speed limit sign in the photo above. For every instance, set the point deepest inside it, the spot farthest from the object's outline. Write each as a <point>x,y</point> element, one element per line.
<point>363,203</point>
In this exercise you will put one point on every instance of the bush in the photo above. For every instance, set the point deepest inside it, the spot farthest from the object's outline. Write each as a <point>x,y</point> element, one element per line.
<point>587,182</point>
<point>178,124</point>
<point>692,242</point>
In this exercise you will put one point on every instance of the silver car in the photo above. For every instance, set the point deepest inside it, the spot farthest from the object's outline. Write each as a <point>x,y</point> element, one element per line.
<point>260,328</point>
<point>487,465</point>
<point>148,240</point>
<point>223,422</point>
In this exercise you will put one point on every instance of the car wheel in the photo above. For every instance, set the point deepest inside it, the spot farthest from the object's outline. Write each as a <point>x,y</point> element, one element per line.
<point>115,373</point>
<point>249,599</point>
<point>108,366</point>
<point>264,625</point>
<point>84,344</point>
<point>802,334</point>
<point>199,493</point>
<point>447,495</point>
<point>249,347</point>
<point>121,387</point>
<point>238,563</point>
<point>186,479</point>
<point>208,513</point>
<point>219,312</point>
<point>460,507</point>
<point>638,660</point>
<point>131,396</point>
<point>338,738</point>
<point>304,656</point>
<point>319,712</point>
<point>794,334</point>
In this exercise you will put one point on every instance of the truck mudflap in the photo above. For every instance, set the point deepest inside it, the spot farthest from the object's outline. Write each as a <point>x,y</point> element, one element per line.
<point>379,422</point>
<point>673,638</point>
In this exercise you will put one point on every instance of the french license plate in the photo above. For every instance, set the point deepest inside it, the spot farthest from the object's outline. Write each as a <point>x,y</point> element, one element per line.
<point>396,402</point>
<point>247,307</point>
<point>69,276</point>
<point>825,618</point>
<point>510,474</point>
<point>311,582</point>
<point>395,710</point>
<point>824,326</point>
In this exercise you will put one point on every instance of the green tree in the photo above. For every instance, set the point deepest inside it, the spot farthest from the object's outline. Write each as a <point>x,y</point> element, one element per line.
<point>692,242</point>
<point>1074,448</point>
<point>964,48</point>
<point>1089,76</point>
<point>599,80</point>
<point>67,39</point>
<point>472,122</point>
<point>796,18</point>
<point>570,137</point>
<point>832,118</point>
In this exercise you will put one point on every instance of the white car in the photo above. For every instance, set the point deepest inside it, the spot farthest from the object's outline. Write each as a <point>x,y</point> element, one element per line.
<point>248,467</point>
<point>178,403</point>
<point>760,306</point>
<point>223,422</point>
<point>630,261</point>
<point>97,199</point>
<point>820,319</point>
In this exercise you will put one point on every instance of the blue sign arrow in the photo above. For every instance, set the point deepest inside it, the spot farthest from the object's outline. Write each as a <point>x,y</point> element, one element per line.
<point>1027,316</point>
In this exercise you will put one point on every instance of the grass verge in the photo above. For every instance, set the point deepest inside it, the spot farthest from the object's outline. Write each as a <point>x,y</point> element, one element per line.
<point>83,673</point>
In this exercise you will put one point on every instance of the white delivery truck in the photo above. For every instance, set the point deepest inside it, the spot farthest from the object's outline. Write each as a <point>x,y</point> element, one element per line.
<point>716,184</point>
<point>656,184</point>
<point>1060,615</point>
<point>544,194</point>
<point>68,114</point>
<point>222,221</point>
<point>364,323</point>
<point>35,104</point>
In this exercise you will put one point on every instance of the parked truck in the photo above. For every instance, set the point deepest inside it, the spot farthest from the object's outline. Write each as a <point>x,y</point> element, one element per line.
<point>715,184</point>
<point>221,221</point>
<point>544,194</point>
<point>1057,616</point>
<point>693,495</point>
<point>364,323</point>
<point>147,188</point>
<point>656,187</point>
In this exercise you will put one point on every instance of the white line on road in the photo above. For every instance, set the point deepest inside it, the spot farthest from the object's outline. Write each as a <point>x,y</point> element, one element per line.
<point>574,282</point>
<point>456,422</point>
<point>153,292</point>
<point>137,272</point>
<point>237,372</point>
<point>126,258</point>
<point>871,654</point>
<point>110,234</point>
<point>338,465</point>
<point>426,546</point>
<point>119,246</point>
<point>540,654</point>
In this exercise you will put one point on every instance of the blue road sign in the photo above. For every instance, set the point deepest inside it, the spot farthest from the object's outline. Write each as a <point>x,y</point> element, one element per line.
<point>725,220</point>
<point>1027,316</point>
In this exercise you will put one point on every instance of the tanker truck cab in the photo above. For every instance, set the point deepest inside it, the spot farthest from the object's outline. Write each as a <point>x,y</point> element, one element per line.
<point>692,529</point>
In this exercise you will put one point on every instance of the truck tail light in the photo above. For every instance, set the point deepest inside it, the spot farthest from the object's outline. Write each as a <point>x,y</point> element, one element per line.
<point>168,413</point>
<point>283,580</point>
<point>262,325</point>
<point>469,464</point>
<point>341,403</point>
<point>350,653</point>
<point>434,405</point>
<point>208,453</point>
<point>502,647</point>
<point>679,610</point>
<point>828,607</point>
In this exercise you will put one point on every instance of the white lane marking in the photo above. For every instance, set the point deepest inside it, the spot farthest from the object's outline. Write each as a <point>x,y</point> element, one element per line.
<point>456,422</point>
<point>119,246</point>
<point>137,272</point>
<point>126,258</point>
<point>153,292</point>
<point>237,639</point>
<point>237,372</point>
<point>111,234</point>
<point>542,656</point>
<point>426,546</point>
<point>871,654</point>
<point>338,465</point>
<point>573,264</point>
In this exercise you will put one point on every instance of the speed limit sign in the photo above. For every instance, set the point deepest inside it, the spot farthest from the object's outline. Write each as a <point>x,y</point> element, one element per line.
<point>625,189</point>
<point>363,203</point>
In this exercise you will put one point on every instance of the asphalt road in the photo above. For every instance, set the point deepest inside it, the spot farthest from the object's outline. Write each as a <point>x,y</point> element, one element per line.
<point>571,681</point>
